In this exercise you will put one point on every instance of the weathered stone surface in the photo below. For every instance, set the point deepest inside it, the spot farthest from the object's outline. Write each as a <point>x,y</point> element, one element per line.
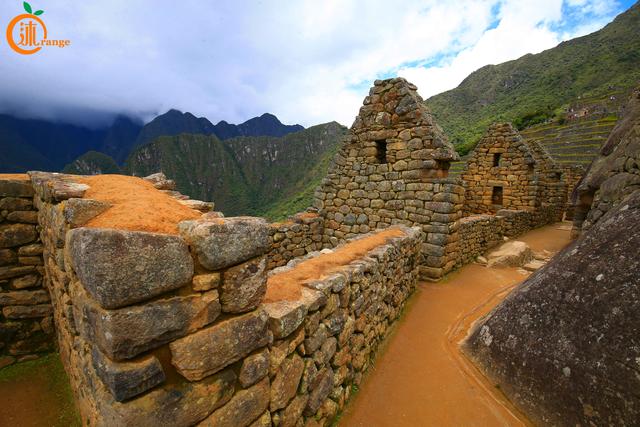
<point>128,379</point>
<point>244,408</point>
<point>198,205</point>
<point>285,317</point>
<point>34,249</point>
<point>7,257</point>
<point>182,404</point>
<point>124,333</point>
<point>263,421</point>
<point>244,286</point>
<point>211,349</point>
<point>205,282</point>
<point>293,413</point>
<point>510,254</point>
<point>254,368</point>
<point>160,181</point>
<point>10,272</point>
<point>78,212</point>
<point>564,344</point>
<point>15,188</point>
<point>224,242</point>
<point>148,264</point>
<point>285,383</point>
<point>25,282</point>
<point>27,312</point>
<point>27,217</point>
<point>16,234</point>
<point>24,297</point>
<point>15,204</point>
<point>321,387</point>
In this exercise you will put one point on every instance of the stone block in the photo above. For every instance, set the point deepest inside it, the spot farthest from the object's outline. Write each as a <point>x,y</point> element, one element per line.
<point>124,333</point>
<point>148,264</point>
<point>223,242</point>
<point>244,286</point>
<point>205,282</point>
<point>8,257</point>
<point>27,217</point>
<point>34,249</point>
<point>320,389</point>
<point>211,349</point>
<point>128,379</point>
<point>16,188</point>
<point>24,298</point>
<point>254,368</point>
<point>27,312</point>
<point>285,317</point>
<point>285,383</point>
<point>15,204</point>
<point>180,404</point>
<point>12,235</point>
<point>78,212</point>
<point>244,408</point>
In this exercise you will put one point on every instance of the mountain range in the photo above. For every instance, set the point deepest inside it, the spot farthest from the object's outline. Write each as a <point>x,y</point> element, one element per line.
<point>32,144</point>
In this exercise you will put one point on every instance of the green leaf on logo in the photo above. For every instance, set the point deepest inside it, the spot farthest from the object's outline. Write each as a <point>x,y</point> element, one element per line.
<point>38,12</point>
<point>27,7</point>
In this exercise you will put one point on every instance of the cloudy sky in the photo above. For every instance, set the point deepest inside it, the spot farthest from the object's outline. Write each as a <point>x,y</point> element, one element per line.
<point>307,61</point>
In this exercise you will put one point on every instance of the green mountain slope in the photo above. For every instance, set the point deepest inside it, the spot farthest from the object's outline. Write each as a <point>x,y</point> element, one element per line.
<point>92,163</point>
<point>272,176</point>
<point>538,87</point>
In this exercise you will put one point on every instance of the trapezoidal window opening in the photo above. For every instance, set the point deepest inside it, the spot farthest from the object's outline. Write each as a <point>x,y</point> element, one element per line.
<point>496,159</point>
<point>496,196</point>
<point>381,151</point>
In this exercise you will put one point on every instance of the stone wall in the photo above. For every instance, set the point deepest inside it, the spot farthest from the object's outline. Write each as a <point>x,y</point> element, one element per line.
<point>572,175</point>
<point>26,325</point>
<point>506,171</point>
<point>156,329</point>
<point>477,234</point>
<point>391,169</point>
<point>326,340</point>
<point>299,235</point>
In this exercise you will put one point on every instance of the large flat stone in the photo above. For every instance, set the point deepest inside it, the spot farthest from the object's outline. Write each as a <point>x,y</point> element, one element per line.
<point>78,212</point>
<point>124,333</point>
<point>244,408</point>
<point>181,405</point>
<point>224,242</point>
<point>285,317</point>
<point>244,286</point>
<point>211,349</point>
<point>510,254</point>
<point>16,235</point>
<point>128,379</point>
<point>119,268</point>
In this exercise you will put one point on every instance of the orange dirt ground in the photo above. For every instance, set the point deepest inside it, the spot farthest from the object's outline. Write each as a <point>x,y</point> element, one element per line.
<point>19,176</point>
<point>420,377</point>
<point>286,286</point>
<point>137,205</point>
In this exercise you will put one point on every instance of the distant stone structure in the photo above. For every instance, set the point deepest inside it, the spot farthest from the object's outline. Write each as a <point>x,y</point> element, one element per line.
<point>392,169</point>
<point>506,171</point>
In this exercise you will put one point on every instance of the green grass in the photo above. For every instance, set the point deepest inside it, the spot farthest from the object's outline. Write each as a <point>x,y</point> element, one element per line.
<point>48,372</point>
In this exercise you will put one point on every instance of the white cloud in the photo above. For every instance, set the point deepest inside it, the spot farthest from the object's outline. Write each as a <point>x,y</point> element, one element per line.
<point>305,61</point>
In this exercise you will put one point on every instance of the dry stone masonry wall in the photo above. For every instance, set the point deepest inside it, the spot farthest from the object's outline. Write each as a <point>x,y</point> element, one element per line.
<point>26,323</point>
<point>296,237</point>
<point>392,169</point>
<point>157,329</point>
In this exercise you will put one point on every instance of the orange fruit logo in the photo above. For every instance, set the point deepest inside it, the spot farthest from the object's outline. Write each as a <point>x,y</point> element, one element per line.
<point>27,33</point>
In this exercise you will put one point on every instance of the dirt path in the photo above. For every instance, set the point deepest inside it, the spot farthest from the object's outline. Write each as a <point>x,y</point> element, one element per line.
<point>420,378</point>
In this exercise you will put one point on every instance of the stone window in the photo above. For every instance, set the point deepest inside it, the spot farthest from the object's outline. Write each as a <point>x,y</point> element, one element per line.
<point>496,159</point>
<point>496,196</point>
<point>381,151</point>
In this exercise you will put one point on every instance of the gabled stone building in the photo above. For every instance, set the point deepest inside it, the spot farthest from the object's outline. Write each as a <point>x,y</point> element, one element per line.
<point>392,169</point>
<point>508,172</point>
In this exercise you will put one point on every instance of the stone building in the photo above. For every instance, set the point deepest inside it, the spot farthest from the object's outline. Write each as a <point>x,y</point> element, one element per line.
<point>509,172</point>
<point>392,169</point>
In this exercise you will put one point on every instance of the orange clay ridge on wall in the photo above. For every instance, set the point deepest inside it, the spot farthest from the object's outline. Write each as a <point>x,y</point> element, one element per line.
<point>136,205</point>
<point>285,286</point>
